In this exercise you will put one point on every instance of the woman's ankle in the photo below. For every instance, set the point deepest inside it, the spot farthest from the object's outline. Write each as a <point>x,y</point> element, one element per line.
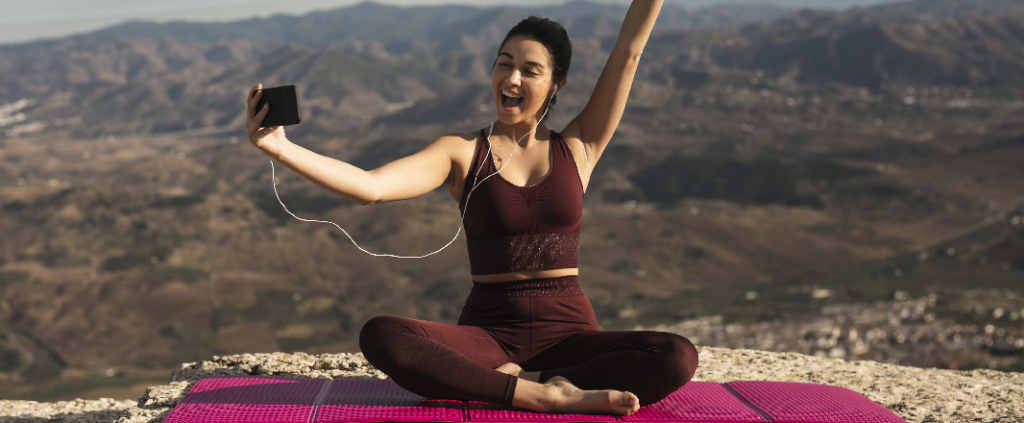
<point>537,397</point>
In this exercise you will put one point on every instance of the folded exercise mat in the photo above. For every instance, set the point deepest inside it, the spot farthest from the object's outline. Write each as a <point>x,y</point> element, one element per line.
<point>263,399</point>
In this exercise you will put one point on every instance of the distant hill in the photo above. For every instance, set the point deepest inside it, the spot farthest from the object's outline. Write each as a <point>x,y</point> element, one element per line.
<point>338,91</point>
<point>454,38</point>
<point>434,25</point>
<point>942,9</point>
<point>85,65</point>
<point>862,46</point>
<point>819,47</point>
<point>141,78</point>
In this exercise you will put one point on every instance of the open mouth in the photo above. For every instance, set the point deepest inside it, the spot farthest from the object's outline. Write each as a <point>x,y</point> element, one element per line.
<point>509,100</point>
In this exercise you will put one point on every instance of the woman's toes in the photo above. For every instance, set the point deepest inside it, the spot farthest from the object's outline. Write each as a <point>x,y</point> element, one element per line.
<point>633,403</point>
<point>624,398</point>
<point>626,401</point>
<point>572,399</point>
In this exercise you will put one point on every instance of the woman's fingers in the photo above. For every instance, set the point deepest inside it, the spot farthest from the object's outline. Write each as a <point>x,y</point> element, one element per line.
<point>254,118</point>
<point>255,122</point>
<point>255,131</point>
<point>263,132</point>
<point>252,92</point>
<point>252,100</point>
<point>260,136</point>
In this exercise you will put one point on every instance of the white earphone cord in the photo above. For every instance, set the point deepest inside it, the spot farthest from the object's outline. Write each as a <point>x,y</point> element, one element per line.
<point>273,179</point>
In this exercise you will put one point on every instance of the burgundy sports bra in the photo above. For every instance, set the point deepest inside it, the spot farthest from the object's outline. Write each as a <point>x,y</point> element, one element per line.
<point>511,228</point>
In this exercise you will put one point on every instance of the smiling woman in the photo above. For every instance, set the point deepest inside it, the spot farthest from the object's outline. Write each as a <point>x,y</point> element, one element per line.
<point>527,335</point>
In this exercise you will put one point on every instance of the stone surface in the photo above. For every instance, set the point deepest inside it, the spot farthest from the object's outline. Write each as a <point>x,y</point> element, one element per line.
<point>327,366</point>
<point>77,411</point>
<point>918,395</point>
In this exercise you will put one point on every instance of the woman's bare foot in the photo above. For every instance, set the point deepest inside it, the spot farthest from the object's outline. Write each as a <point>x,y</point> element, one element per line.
<point>558,395</point>
<point>514,370</point>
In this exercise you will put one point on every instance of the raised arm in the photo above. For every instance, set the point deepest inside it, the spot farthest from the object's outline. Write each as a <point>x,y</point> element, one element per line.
<point>401,179</point>
<point>596,124</point>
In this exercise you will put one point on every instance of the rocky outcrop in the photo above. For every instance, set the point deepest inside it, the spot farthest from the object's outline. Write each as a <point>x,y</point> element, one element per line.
<point>918,395</point>
<point>77,411</point>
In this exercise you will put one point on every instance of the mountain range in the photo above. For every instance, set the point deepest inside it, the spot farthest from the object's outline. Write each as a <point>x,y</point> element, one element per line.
<point>193,72</point>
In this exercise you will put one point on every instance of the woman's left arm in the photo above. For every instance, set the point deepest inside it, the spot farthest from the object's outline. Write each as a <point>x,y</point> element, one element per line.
<point>596,124</point>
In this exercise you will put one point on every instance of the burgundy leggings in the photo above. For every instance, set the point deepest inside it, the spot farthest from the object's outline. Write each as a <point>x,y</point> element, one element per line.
<point>545,325</point>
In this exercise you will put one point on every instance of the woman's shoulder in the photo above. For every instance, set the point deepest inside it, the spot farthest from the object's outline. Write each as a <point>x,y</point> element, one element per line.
<point>460,146</point>
<point>455,142</point>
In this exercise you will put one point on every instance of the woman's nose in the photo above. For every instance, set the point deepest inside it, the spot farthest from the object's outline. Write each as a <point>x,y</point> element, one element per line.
<point>513,78</point>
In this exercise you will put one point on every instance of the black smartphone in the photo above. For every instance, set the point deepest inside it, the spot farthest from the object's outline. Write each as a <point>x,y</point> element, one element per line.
<point>284,106</point>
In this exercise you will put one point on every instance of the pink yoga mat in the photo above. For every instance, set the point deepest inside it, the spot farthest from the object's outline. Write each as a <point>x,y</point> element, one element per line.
<point>368,400</point>
<point>698,402</point>
<point>480,412</point>
<point>234,399</point>
<point>258,399</point>
<point>789,402</point>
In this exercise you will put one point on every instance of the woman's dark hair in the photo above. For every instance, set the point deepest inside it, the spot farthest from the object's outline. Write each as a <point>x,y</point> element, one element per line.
<point>552,36</point>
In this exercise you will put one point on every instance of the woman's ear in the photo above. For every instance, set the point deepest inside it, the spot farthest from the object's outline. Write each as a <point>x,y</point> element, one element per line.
<point>561,84</point>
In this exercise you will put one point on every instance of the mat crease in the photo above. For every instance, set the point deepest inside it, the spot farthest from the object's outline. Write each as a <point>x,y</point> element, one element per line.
<point>745,402</point>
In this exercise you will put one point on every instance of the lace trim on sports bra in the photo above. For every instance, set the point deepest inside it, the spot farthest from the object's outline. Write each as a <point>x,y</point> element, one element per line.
<point>524,252</point>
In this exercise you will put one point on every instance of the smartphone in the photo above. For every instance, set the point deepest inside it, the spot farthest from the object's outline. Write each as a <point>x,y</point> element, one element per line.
<point>284,106</point>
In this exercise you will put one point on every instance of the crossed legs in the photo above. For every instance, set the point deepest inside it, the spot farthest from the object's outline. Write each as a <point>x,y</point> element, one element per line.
<point>651,365</point>
<point>588,372</point>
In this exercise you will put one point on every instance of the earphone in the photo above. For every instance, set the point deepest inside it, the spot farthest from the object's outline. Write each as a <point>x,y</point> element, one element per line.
<point>476,184</point>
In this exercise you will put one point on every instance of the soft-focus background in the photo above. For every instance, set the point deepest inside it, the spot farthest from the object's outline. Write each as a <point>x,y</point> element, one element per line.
<point>845,181</point>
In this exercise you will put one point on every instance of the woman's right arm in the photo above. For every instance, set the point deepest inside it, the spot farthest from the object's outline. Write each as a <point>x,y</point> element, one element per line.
<point>399,180</point>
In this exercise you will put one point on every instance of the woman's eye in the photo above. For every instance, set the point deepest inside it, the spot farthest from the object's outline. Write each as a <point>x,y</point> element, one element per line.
<point>505,65</point>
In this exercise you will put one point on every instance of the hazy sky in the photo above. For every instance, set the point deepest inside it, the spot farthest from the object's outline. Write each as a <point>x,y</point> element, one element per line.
<point>25,20</point>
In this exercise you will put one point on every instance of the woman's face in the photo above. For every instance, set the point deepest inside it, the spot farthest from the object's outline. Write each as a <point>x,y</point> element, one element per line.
<point>522,80</point>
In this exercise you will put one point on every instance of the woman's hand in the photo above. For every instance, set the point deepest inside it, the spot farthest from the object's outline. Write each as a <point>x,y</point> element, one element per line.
<point>269,139</point>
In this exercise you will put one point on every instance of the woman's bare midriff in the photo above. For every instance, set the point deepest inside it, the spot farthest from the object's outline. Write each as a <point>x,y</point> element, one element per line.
<point>529,274</point>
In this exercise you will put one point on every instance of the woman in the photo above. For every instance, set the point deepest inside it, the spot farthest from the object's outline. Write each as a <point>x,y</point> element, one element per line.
<point>527,335</point>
